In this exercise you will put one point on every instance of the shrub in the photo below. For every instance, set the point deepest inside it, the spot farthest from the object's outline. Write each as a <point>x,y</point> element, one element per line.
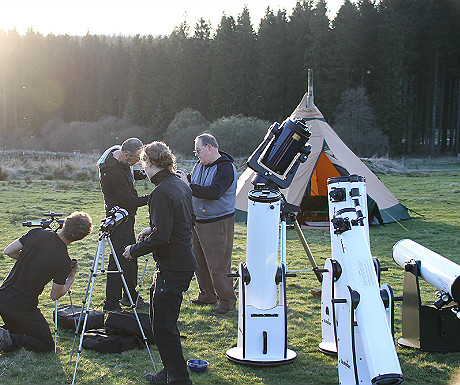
<point>356,124</point>
<point>183,129</point>
<point>239,135</point>
<point>3,173</point>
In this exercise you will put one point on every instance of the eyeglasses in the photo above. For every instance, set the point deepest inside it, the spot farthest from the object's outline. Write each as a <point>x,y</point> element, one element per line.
<point>198,150</point>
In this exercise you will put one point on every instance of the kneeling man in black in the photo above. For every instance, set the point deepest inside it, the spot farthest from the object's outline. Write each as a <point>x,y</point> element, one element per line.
<point>41,256</point>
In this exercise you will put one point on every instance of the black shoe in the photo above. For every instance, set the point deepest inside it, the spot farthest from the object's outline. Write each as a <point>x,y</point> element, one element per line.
<point>159,378</point>
<point>5,338</point>
<point>113,307</point>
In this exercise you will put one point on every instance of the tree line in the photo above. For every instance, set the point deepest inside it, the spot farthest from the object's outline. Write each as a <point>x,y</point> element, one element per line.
<point>403,54</point>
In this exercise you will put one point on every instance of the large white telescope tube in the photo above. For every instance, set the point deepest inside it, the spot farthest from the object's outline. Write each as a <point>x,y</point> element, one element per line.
<point>350,244</point>
<point>262,247</point>
<point>438,271</point>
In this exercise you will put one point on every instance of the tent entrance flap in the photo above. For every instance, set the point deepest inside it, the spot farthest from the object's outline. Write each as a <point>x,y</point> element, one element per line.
<point>314,205</point>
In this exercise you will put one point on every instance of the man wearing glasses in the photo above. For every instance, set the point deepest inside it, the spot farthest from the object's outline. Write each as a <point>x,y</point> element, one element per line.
<point>117,184</point>
<point>213,183</point>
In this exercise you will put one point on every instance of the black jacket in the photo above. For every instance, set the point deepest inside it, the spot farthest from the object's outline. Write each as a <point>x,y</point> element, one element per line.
<point>172,219</point>
<point>117,184</point>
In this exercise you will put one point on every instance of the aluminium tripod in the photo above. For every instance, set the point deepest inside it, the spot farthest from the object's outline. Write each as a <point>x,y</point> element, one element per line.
<point>99,261</point>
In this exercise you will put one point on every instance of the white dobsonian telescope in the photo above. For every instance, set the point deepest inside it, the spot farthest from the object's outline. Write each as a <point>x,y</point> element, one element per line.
<point>431,328</point>
<point>262,311</point>
<point>356,314</point>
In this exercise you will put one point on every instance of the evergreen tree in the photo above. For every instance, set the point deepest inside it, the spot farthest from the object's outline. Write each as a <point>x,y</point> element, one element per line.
<point>223,93</point>
<point>270,90</point>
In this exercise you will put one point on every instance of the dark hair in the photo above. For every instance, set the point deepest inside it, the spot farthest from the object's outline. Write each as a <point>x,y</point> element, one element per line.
<point>207,139</point>
<point>131,146</point>
<point>77,226</point>
<point>159,154</point>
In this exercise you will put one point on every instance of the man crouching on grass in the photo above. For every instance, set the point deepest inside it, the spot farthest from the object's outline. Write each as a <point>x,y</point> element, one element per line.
<point>41,256</point>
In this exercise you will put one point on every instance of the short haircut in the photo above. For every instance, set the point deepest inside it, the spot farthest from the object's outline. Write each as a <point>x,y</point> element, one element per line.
<point>131,146</point>
<point>160,155</point>
<point>77,226</point>
<point>207,139</point>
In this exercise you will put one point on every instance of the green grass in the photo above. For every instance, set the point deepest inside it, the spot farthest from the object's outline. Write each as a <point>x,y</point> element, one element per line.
<point>435,196</point>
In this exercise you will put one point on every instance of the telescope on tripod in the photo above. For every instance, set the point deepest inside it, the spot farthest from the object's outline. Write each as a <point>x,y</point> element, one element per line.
<point>262,308</point>
<point>356,314</point>
<point>115,217</point>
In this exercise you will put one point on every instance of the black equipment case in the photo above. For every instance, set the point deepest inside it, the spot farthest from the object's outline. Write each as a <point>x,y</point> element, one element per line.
<point>68,317</point>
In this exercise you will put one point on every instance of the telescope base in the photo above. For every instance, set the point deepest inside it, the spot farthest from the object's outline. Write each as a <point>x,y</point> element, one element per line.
<point>407,344</point>
<point>236,355</point>
<point>328,348</point>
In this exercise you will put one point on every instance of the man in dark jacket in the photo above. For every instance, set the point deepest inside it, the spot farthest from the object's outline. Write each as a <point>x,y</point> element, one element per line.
<point>117,184</point>
<point>213,183</point>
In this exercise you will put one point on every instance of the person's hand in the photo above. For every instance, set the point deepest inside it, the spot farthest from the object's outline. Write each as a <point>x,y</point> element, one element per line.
<point>127,252</point>
<point>183,176</point>
<point>144,234</point>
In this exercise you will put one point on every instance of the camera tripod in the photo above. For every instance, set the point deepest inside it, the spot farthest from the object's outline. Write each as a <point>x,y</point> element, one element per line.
<point>99,262</point>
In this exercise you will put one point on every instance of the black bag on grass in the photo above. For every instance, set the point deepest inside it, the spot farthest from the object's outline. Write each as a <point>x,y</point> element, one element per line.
<point>125,324</point>
<point>102,342</point>
<point>68,317</point>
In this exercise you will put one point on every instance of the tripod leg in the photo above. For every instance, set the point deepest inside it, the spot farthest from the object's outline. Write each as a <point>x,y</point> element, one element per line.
<point>306,248</point>
<point>82,334</point>
<point>92,273</point>
<point>71,306</point>
<point>142,279</point>
<point>144,338</point>
<point>55,325</point>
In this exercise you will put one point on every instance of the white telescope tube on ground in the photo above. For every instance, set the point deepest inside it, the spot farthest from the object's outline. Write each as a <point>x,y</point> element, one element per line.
<point>438,271</point>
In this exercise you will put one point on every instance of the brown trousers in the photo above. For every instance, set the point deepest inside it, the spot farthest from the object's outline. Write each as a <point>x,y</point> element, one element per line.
<point>212,246</point>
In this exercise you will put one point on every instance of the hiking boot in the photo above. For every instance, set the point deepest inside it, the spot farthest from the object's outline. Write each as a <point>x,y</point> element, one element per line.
<point>5,338</point>
<point>141,304</point>
<point>113,307</point>
<point>201,303</point>
<point>159,378</point>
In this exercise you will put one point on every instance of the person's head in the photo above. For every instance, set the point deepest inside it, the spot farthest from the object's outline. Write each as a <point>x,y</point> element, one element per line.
<point>77,226</point>
<point>206,148</point>
<point>131,151</point>
<point>157,156</point>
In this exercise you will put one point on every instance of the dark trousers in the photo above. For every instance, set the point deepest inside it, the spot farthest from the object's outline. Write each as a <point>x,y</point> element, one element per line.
<point>25,322</point>
<point>122,236</point>
<point>165,299</point>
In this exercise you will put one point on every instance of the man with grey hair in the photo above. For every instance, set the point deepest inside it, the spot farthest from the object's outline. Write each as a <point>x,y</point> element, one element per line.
<point>117,184</point>
<point>213,183</point>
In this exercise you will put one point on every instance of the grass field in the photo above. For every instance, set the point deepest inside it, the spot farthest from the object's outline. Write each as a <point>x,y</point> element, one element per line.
<point>434,195</point>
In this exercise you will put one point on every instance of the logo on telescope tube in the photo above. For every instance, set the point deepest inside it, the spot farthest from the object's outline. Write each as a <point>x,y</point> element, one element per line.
<point>345,363</point>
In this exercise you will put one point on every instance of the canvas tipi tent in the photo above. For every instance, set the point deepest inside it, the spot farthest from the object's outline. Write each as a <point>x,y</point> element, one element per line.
<point>329,157</point>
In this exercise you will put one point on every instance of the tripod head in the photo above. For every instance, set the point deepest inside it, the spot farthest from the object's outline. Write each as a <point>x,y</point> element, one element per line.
<point>54,223</point>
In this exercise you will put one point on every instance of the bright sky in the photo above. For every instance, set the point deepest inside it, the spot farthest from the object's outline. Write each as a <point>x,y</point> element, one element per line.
<point>129,17</point>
